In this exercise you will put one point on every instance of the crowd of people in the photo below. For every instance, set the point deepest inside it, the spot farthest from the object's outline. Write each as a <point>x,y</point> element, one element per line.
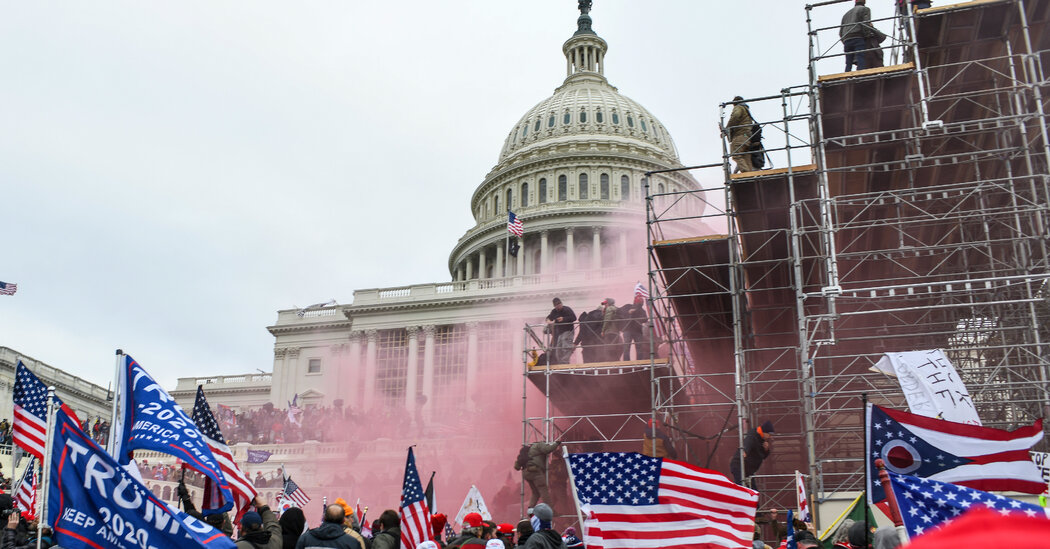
<point>606,333</point>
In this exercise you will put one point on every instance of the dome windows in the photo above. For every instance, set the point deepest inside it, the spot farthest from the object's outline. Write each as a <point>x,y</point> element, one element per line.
<point>630,121</point>
<point>615,118</point>
<point>524,195</point>
<point>604,186</point>
<point>567,118</point>
<point>550,122</point>
<point>583,187</point>
<point>510,198</point>
<point>542,198</point>
<point>583,116</point>
<point>525,130</point>
<point>563,188</point>
<point>644,129</point>
<point>625,188</point>
<point>598,116</point>
<point>537,128</point>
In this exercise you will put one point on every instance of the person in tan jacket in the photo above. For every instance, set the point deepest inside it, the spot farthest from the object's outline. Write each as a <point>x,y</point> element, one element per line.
<point>739,129</point>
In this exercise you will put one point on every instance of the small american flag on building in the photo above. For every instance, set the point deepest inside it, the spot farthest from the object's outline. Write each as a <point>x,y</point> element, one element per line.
<point>641,291</point>
<point>7,288</point>
<point>293,495</point>
<point>415,515</point>
<point>633,501</point>
<point>25,497</point>
<point>514,224</point>
<point>243,490</point>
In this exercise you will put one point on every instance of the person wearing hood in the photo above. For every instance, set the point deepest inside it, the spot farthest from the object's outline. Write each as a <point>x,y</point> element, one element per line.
<point>330,533</point>
<point>886,537</point>
<point>545,536</point>
<point>758,444</point>
<point>390,535</point>
<point>293,524</point>
<point>259,528</point>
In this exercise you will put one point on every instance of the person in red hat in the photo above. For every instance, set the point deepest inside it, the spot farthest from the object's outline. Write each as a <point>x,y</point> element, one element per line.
<point>472,533</point>
<point>505,533</point>
<point>437,523</point>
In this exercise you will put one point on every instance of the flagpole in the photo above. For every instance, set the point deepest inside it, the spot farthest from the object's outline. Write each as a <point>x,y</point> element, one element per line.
<point>572,488</point>
<point>506,248</point>
<point>111,444</point>
<point>46,480</point>
<point>891,499</point>
<point>867,466</point>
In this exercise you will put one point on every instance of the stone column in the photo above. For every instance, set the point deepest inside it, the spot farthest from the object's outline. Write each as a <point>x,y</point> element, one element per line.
<point>596,249</point>
<point>520,270</point>
<point>370,370</point>
<point>279,366</point>
<point>544,263</point>
<point>470,267</point>
<point>623,247</point>
<point>499,272</point>
<point>472,361</point>
<point>428,365</point>
<point>354,394</point>
<point>570,251</point>
<point>481,264</point>
<point>292,374</point>
<point>413,367</point>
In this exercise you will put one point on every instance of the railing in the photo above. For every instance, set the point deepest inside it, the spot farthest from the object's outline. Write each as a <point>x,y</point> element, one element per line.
<point>191,383</point>
<point>54,375</point>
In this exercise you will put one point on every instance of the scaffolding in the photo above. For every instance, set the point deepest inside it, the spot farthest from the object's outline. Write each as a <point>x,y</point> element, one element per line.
<point>909,211</point>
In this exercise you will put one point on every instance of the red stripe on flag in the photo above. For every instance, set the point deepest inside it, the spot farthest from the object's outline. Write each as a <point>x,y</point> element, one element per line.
<point>963,429</point>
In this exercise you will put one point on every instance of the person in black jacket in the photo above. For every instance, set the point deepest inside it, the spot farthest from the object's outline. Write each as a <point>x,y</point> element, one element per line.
<point>293,522</point>
<point>390,536</point>
<point>330,533</point>
<point>560,321</point>
<point>590,336</point>
<point>757,447</point>
<point>634,323</point>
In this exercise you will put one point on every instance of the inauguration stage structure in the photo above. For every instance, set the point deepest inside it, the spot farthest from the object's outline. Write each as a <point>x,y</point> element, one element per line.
<point>906,208</point>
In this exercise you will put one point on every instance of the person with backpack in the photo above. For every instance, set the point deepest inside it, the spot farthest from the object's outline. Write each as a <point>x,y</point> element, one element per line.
<point>532,462</point>
<point>590,335</point>
<point>611,324</point>
<point>740,128</point>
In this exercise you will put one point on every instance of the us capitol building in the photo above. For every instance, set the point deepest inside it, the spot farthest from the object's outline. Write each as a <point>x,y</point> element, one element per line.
<point>445,358</point>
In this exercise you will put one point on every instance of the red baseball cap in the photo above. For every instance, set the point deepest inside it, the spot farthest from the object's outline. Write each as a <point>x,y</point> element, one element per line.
<point>473,520</point>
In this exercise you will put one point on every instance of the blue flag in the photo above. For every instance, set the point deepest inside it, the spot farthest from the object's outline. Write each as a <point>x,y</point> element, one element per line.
<point>790,542</point>
<point>928,504</point>
<point>258,456</point>
<point>93,502</point>
<point>153,421</point>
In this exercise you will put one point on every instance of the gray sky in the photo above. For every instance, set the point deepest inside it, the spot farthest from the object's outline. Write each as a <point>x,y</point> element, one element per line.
<point>176,172</point>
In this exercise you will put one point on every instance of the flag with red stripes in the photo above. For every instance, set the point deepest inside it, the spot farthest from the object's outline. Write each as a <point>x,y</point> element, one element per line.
<point>514,225</point>
<point>25,496</point>
<point>977,457</point>
<point>292,495</point>
<point>29,428</point>
<point>415,515</point>
<point>240,486</point>
<point>632,501</point>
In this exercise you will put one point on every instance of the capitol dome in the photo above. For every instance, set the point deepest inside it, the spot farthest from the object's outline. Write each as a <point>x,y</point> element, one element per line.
<point>587,106</point>
<point>574,170</point>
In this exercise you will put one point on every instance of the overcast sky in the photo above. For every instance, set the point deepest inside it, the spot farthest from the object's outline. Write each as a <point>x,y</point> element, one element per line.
<point>175,172</point>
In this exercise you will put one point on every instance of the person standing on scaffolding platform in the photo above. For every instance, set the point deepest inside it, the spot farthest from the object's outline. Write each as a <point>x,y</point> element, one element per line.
<point>855,31</point>
<point>740,128</point>
<point>560,324</point>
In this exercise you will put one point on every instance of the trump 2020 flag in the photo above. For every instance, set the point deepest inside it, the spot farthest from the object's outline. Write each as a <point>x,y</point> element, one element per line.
<point>153,421</point>
<point>632,501</point>
<point>927,504</point>
<point>969,455</point>
<point>93,502</point>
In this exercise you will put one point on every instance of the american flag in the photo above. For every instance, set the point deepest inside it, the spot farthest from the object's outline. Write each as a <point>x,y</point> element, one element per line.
<point>928,504</point>
<point>415,516</point>
<point>641,291</point>
<point>25,497</point>
<point>635,501</point>
<point>7,288</point>
<point>242,488</point>
<point>514,225</point>
<point>29,429</point>
<point>293,495</point>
